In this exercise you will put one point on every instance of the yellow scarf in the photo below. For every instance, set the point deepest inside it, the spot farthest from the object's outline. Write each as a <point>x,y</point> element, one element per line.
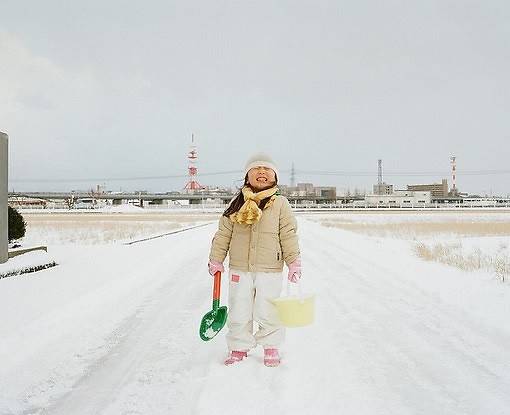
<point>250,211</point>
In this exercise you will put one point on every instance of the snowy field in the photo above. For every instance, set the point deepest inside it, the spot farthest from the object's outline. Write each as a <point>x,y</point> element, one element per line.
<point>105,227</point>
<point>113,329</point>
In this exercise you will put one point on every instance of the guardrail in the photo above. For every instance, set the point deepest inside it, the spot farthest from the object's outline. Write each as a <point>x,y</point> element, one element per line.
<point>298,207</point>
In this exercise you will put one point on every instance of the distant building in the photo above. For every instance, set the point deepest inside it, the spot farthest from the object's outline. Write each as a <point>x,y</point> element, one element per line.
<point>327,192</point>
<point>436,189</point>
<point>308,189</point>
<point>383,189</point>
<point>400,198</point>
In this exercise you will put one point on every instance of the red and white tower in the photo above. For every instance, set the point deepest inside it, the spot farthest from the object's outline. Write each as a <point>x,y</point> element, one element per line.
<point>192,184</point>
<point>454,174</point>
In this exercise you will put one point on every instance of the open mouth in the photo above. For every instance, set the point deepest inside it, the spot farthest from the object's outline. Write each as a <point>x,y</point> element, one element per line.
<point>262,179</point>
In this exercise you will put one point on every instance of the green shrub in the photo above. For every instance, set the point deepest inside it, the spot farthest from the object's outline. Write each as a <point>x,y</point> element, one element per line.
<point>17,225</point>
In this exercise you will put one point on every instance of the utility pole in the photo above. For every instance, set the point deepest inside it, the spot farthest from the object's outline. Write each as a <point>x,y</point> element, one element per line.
<point>453,162</point>
<point>4,219</point>
<point>292,176</point>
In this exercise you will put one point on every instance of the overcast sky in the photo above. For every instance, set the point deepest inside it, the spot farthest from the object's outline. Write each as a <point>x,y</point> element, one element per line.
<point>114,89</point>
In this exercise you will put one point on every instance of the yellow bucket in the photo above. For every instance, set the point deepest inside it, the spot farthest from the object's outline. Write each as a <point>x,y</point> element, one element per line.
<point>295,311</point>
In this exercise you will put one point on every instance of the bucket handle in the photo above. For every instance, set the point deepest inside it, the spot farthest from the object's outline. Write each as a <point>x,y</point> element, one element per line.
<point>298,283</point>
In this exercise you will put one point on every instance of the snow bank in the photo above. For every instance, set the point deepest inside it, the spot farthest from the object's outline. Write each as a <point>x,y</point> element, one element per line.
<point>26,263</point>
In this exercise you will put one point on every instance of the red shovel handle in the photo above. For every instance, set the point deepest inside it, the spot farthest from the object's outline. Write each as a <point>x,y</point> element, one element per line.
<point>217,285</point>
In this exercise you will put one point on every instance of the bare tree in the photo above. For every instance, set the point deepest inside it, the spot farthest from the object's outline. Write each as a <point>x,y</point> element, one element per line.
<point>70,201</point>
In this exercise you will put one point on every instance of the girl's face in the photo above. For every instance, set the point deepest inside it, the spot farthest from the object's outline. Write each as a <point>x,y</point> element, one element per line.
<point>261,178</point>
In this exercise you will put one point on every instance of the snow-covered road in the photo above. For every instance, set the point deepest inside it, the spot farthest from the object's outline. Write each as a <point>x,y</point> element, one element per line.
<point>393,335</point>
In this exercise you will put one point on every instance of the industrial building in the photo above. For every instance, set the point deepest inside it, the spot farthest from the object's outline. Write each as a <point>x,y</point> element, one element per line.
<point>383,189</point>
<point>385,195</point>
<point>439,190</point>
<point>308,189</point>
<point>400,198</point>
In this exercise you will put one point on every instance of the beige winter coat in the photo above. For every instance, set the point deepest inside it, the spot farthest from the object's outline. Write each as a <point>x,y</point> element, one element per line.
<point>261,247</point>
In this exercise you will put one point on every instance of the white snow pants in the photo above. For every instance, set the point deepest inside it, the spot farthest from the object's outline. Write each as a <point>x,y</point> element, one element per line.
<point>248,302</point>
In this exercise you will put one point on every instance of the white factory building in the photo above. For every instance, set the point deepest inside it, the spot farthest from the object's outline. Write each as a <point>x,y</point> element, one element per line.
<point>400,198</point>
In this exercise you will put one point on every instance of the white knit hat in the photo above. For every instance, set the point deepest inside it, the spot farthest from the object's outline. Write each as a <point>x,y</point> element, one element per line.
<point>260,159</point>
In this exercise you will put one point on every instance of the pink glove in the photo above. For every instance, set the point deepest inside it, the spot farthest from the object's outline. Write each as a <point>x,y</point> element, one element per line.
<point>215,266</point>
<point>295,270</point>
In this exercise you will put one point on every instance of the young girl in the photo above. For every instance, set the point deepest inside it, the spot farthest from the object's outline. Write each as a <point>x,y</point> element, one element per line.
<point>259,232</point>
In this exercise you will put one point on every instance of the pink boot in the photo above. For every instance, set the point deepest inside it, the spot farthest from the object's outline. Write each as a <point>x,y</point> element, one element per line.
<point>235,357</point>
<point>271,357</point>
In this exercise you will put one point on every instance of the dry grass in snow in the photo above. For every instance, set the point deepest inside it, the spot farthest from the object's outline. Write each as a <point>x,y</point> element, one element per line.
<point>412,229</point>
<point>101,228</point>
<point>453,254</point>
<point>440,239</point>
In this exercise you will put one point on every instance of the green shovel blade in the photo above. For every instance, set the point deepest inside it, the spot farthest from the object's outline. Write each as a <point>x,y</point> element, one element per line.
<point>215,319</point>
<point>212,323</point>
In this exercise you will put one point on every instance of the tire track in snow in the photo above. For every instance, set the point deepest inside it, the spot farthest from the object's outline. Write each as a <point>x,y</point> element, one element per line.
<point>113,384</point>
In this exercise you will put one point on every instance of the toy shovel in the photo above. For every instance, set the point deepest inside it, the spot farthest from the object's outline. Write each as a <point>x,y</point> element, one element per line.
<point>215,319</point>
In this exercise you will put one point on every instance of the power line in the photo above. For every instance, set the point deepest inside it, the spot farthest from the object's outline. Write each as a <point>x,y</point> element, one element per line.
<point>402,173</point>
<point>294,171</point>
<point>113,179</point>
